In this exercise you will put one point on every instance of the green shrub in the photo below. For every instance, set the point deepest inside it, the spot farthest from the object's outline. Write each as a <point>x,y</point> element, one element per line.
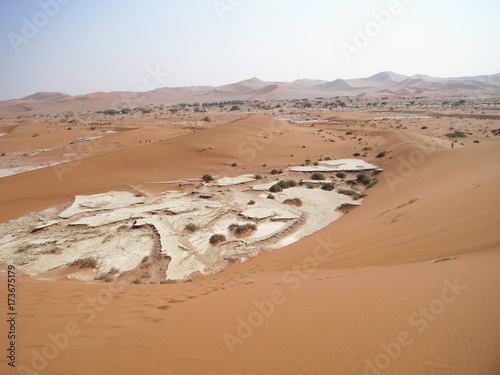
<point>372,184</point>
<point>341,175</point>
<point>168,281</point>
<point>328,186</point>
<point>318,176</point>
<point>277,171</point>
<point>275,189</point>
<point>271,196</point>
<point>251,202</point>
<point>207,178</point>
<point>216,238</point>
<point>285,184</point>
<point>258,177</point>
<point>363,178</point>
<point>456,134</point>
<point>381,154</point>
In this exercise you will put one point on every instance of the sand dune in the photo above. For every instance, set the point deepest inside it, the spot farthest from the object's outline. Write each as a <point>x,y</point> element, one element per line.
<point>361,296</point>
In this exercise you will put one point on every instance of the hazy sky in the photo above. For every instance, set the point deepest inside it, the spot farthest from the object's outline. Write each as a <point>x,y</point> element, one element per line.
<point>83,46</point>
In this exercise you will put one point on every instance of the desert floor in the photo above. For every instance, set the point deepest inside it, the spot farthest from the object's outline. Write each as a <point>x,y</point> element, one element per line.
<point>407,283</point>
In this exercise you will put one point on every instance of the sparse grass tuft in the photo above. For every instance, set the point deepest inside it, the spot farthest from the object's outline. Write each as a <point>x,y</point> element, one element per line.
<point>191,227</point>
<point>105,277</point>
<point>85,262</point>
<point>294,202</point>
<point>216,238</point>
<point>168,281</point>
<point>242,228</point>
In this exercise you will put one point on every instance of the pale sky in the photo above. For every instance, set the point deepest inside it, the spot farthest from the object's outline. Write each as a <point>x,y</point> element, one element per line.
<point>83,46</point>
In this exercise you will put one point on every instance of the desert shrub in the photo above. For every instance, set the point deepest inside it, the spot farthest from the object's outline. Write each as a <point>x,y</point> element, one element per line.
<point>105,277</point>
<point>275,188</point>
<point>234,165</point>
<point>69,128</point>
<point>136,281</point>
<point>495,132</point>
<point>113,271</point>
<point>285,184</point>
<point>424,127</point>
<point>3,154</point>
<point>341,175</point>
<point>36,135</point>
<point>277,171</point>
<point>328,158</point>
<point>235,108</point>
<point>348,133</point>
<point>207,119</point>
<point>125,111</point>
<point>328,186</point>
<point>251,202</point>
<point>356,154</point>
<point>168,281</point>
<point>363,178</point>
<point>293,202</point>
<point>318,176</point>
<point>381,154</point>
<point>456,134</point>
<point>191,227</point>
<point>93,128</point>
<point>271,196</point>
<point>353,193</point>
<point>372,184</point>
<point>258,177</point>
<point>242,228</point>
<point>145,275</point>
<point>216,238</point>
<point>207,178</point>
<point>87,262</point>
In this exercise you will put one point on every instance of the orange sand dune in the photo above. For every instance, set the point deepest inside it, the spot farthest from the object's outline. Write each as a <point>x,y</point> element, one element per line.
<point>360,296</point>
<point>250,142</point>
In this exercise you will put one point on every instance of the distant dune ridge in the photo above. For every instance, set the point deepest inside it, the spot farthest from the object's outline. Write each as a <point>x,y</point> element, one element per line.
<point>384,83</point>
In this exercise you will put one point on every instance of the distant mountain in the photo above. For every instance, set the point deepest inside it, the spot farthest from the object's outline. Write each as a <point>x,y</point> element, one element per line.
<point>381,84</point>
